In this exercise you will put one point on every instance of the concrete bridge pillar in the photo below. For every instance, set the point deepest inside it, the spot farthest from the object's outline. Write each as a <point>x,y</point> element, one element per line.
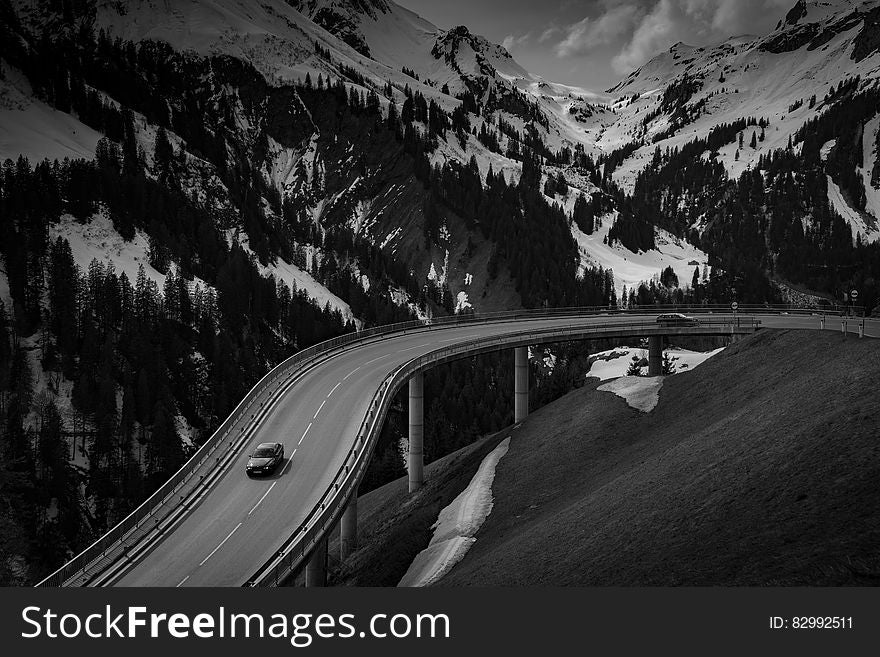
<point>521,383</point>
<point>822,322</point>
<point>843,327</point>
<point>655,355</point>
<point>862,329</point>
<point>348,529</point>
<point>316,568</point>
<point>415,461</point>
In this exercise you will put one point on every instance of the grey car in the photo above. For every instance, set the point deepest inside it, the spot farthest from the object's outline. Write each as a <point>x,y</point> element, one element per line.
<point>265,458</point>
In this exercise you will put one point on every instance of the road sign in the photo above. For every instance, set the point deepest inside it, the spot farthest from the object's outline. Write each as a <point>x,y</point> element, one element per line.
<point>853,294</point>
<point>734,305</point>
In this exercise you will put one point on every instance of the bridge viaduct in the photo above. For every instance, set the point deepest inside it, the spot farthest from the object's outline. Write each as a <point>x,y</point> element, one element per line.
<point>211,525</point>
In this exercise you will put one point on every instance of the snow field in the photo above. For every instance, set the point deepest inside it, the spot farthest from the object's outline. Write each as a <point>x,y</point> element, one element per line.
<point>614,363</point>
<point>457,524</point>
<point>640,392</point>
<point>630,268</point>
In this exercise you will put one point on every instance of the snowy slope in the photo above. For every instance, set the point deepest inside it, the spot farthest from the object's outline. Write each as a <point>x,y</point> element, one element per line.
<point>742,77</point>
<point>98,240</point>
<point>630,268</point>
<point>294,278</point>
<point>273,36</point>
<point>872,191</point>
<point>398,38</point>
<point>5,295</point>
<point>640,392</point>
<point>31,128</point>
<point>853,217</point>
<point>457,524</point>
<point>613,363</point>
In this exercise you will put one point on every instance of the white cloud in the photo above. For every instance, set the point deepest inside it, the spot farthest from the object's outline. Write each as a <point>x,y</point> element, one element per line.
<point>647,28</point>
<point>657,30</point>
<point>736,17</point>
<point>588,33</point>
<point>511,41</point>
<point>549,33</point>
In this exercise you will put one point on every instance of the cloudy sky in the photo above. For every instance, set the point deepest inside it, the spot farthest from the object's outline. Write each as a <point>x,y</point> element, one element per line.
<point>593,43</point>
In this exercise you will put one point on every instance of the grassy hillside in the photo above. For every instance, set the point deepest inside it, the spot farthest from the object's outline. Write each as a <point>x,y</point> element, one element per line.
<point>760,467</point>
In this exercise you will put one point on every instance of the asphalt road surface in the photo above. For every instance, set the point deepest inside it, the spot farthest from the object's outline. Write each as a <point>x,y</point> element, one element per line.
<point>243,521</point>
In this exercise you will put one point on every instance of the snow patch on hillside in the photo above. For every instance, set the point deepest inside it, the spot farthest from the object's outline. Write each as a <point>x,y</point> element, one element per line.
<point>462,302</point>
<point>630,268</point>
<point>852,216</point>
<point>870,155</point>
<point>5,295</point>
<point>826,149</point>
<point>98,240</point>
<point>31,128</point>
<point>640,392</point>
<point>457,524</point>
<point>439,278</point>
<point>614,363</point>
<point>401,297</point>
<point>294,277</point>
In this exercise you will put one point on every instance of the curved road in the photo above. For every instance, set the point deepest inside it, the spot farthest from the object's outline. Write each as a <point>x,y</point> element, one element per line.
<point>241,522</point>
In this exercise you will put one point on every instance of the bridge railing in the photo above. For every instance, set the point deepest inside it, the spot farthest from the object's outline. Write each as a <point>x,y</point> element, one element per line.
<point>330,507</point>
<point>194,475</point>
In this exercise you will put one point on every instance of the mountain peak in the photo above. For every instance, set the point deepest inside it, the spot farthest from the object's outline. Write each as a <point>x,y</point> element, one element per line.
<point>796,13</point>
<point>368,7</point>
<point>814,11</point>
<point>343,17</point>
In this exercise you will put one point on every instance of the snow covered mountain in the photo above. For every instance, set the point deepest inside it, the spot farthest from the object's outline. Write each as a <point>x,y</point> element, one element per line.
<point>688,91</point>
<point>377,47</point>
<point>285,43</point>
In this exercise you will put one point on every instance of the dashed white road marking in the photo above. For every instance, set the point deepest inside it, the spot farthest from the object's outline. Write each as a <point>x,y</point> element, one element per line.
<point>461,337</point>
<point>221,544</point>
<point>304,434</point>
<point>334,389</point>
<point>375,359</point>
<point>352,372</point>
<point>315,416</point>
<point>418,346</point>
<point>289,461</point>
<point>262,498</point>
<point>180,583</point>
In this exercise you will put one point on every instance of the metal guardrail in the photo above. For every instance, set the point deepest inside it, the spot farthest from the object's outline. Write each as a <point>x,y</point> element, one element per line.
<point>326,513</point>
<point>146,518</point>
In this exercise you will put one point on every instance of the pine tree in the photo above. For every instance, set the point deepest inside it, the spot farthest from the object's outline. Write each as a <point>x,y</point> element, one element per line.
<point>163,152</point>
<point>635,369</point>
